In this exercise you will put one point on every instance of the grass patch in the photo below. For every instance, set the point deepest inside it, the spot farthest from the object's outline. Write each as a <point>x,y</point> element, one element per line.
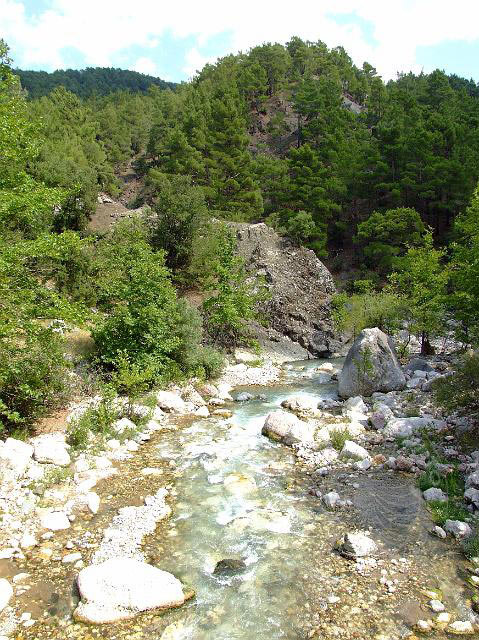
<point>338,437</point>
<point>451,483</point>
<point>449,510</point>
<point>51,478</point>
<point>470,545</point>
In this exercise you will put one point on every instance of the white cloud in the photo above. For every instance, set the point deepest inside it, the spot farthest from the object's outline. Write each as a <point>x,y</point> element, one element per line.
<point>195,61</point>
<point>102,30</point>
<point>146,65</point>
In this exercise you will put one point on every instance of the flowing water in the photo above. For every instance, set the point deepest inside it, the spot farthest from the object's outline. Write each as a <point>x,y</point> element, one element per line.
<point>239,497</point>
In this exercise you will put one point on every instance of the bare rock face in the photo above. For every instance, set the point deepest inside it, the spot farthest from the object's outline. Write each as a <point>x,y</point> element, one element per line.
<point>300,289</point>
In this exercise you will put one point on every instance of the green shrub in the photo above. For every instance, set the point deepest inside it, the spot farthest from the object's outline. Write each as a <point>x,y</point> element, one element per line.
<point>235,297</point>
<point>32,378</point>
<point>460,390</point>
<point>338,437</point>
<point>366,309</point>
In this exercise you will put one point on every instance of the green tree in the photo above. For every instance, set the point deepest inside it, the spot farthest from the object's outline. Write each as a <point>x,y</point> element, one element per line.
<point>384,236</point>
<point>464,296</point>
<point>233,303</point>
<point>181,217</point>
<point>421,278</point>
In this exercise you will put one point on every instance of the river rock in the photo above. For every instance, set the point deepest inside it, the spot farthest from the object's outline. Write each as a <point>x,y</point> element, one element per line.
<point>439,532</point>
<point>331,499</point>
<point>239,484</point>
<point>229,567</point>
<point>202,412</point>
<point>461,628</point>
<point>471,496</point>
<point>371,365</point>
<point>209,390</point>
<point>353,450</point>
<point>244,396</point>
<point>301,404</point>
<point>51,448</point>
<point>122,425</point>
<point>122,587</point>
<point>434,494</point>
<point>457,528</point>
<point>357,544</point>
<point>190,394</point>
<point>283,426</point>
<point>170,402</point>
<point>405,427</point>
<point>55,521</point>
<point>224,389</point>
<point>15,456</point>
<point>418,364</point>
<point>6,592</point>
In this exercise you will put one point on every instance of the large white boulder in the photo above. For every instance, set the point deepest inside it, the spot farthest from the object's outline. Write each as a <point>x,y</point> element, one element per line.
<point>15,456</point>
<point>371,365</point>
<point>170,402</point>
<point>6,592</point>
<point>51,448</point>
<point>122,587</point>
<point>283,426</point>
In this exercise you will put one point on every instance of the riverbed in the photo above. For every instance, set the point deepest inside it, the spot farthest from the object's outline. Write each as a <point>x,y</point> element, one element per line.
<point>237,496</point>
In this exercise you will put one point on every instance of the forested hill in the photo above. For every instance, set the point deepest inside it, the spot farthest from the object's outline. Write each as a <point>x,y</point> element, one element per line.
<point>87,82</point>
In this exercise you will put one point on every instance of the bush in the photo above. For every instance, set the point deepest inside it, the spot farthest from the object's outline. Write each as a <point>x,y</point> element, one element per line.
<point>368,308</point>
<point>338,438</point>
<point>460,390</point>
<point>32,378</point>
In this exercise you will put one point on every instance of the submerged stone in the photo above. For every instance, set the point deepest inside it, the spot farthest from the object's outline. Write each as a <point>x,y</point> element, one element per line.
<point>229,567</point>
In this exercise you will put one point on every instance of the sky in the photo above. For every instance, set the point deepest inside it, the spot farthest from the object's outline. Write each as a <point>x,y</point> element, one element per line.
<point>173,39</point>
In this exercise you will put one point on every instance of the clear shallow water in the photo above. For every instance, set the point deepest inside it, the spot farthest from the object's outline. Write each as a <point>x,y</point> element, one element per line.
<point>235,502</point>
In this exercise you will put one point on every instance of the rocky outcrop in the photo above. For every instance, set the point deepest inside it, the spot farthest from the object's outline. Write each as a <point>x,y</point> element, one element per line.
<point>300,287</point>
<point>371,365</point>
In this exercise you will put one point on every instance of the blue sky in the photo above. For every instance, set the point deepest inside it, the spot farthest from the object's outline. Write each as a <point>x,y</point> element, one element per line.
<point>173,40</point>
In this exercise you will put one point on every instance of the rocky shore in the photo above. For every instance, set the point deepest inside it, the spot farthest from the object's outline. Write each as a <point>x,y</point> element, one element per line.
<point>57,514</point>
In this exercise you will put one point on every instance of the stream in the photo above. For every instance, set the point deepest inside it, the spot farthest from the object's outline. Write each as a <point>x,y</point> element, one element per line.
<point>240,497</point>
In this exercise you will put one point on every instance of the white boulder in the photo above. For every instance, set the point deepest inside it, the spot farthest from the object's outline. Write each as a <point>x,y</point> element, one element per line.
<point>6,592</point>
<point>122,587</point>
<point>283,426</point>
<point>55,521</point>
<point>405,427</point>
<point>15,456</point>
<point>170,402</point>
<point>353,450</point>
<point>122,425</point>
<point>357,544</point>
<point>51,448</point>
<point>331,499</point>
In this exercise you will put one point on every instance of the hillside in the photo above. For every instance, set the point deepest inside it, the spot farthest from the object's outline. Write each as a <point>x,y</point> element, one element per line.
<point>87,82</point>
